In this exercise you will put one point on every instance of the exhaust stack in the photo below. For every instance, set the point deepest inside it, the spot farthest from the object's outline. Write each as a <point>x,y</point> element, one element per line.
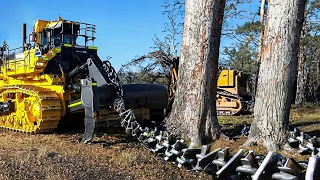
<point>24,35</point>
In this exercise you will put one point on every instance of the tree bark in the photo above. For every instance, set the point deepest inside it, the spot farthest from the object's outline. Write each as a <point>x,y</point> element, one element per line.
<point>277,72</point>
<point>194,109</point>
<point>262,9</point>
<point>300,93</point>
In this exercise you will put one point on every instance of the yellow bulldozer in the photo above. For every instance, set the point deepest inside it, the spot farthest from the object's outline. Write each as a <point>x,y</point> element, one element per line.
<point>233,90</point>
<point>57,72</point>
<point>233,93</point>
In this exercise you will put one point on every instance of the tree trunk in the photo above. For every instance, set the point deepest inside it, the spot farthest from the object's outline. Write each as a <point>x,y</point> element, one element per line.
<point>300,93</point>
<point>194,109</point>
<point>262,9</point>
<point>277,72</point>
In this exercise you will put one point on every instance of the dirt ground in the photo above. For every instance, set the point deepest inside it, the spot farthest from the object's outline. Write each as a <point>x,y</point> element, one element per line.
<point>59,155</point>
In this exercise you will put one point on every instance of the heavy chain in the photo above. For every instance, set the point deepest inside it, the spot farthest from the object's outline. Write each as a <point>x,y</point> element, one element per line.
<point>113,79</point>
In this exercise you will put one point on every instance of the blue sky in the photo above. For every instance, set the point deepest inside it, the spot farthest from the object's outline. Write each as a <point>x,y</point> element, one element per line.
<point>125,28</point>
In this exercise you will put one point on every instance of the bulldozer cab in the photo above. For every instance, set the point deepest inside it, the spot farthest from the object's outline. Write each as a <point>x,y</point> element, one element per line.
<point>235,82</point>
<point>59,33</point>
<point>53,47</point>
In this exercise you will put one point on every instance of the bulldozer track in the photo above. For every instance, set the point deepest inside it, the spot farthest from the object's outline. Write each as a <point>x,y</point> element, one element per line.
<point>235,97</point>
<point>37,110</point>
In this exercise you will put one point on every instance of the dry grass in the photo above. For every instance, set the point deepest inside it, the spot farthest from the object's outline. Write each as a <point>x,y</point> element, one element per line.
<point>60,156</point>
<point>307,119</point>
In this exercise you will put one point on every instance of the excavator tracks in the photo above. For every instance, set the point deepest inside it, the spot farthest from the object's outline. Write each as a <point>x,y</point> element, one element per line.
<point>36,109</point>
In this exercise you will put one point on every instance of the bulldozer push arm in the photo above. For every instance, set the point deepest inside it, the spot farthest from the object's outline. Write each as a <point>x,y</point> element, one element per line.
<point>89,89</point>
<point>102,87</point>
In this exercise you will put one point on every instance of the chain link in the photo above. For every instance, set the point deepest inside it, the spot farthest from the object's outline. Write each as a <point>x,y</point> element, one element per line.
<point>113,79</point>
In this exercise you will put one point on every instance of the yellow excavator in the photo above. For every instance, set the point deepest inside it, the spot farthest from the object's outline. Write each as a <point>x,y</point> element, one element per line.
<point>57,72</point>
<point>233,90</point>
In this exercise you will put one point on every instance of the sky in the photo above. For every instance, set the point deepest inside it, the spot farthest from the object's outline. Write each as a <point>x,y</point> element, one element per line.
<point>125,28</point>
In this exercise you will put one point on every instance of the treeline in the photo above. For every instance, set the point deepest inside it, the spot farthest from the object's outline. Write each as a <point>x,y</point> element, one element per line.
<point>131,77</point>
<point>243,53</point>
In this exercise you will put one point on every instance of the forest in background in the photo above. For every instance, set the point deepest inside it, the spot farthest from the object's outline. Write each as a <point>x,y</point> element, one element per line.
<point>239,49</point>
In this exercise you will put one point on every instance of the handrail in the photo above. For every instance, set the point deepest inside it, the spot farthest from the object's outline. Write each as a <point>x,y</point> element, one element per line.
<point>10,61</point>
<point>69,21</point>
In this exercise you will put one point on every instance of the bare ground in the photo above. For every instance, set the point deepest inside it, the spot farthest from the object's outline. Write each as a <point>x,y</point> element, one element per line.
<point>115,155</point>
<point>61,156</point>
